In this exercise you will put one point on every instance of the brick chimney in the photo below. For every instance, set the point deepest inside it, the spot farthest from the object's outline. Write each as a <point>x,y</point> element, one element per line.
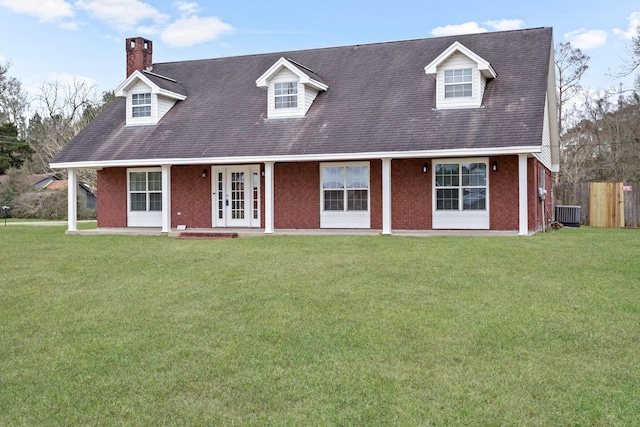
<point>139,54</point>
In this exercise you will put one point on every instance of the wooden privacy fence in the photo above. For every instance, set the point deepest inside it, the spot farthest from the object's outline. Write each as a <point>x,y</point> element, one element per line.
<point>603,204</point>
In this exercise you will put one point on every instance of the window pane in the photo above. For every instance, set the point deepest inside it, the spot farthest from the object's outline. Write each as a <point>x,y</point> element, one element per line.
<point>357,200</point>
<point>141,111</point>
<point>287,101</point>
<point>138,201</point>
<point>333,177</point>
<point>289,88</point>
<point>138,181</point>
<point>155,181</point>
<point>447,199</point>
<point>474,174</point>
<point>357,177</point>
<point>333,200</point>
<point>141,99</point>
<point>447,175</point>
<point>474,199</point>
<point>155,201</point>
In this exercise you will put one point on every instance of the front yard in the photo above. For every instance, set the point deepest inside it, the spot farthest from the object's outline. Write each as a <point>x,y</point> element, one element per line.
<point>336,330</point>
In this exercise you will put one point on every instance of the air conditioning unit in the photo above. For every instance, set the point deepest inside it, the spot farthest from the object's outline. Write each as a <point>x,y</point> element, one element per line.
<point>568,216</point>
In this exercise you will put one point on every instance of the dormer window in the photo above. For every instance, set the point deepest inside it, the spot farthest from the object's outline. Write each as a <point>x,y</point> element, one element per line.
<point>460,76</point>
<point>149,97</point>
<point>458,83</point>
<point>286,95</point>
<point>141,103</point>
<point>291,89</point>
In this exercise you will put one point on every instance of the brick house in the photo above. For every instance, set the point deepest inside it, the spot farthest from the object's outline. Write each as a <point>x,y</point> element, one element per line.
<point>440,133</point>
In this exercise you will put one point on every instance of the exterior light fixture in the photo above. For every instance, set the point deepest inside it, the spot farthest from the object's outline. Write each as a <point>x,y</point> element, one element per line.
<point>425,168</point>
<point>494,166</point>
<point>204,173</point>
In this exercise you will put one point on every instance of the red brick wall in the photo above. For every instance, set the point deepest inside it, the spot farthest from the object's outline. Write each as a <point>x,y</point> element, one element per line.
<point>190,197</point>
<point>375,187</point>
<point>296,195</point>
<point>504,193</point>
<point>111,209</point>
<point>411,197</point>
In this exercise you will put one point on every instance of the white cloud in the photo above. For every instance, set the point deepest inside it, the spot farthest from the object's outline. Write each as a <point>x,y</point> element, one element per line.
<point>2,58</point>
<point>585,40</point>
<point>187,8</point>
<point>634,22</point>
<point>45,10</point>
<point>466,28</point>
<point>194,30</point>
<point>506,24</point>
<point>122,15</point>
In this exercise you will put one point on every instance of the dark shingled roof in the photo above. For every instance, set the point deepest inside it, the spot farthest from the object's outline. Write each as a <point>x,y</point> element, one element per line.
<point>379,100</point>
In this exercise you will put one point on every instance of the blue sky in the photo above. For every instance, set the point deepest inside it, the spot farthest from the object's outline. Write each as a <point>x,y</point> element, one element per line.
<point>49,40</point>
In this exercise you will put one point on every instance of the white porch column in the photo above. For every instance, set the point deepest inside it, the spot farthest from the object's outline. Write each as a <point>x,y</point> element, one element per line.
<point>386,196</point>
<point>72,200</point>
<point>523,194</point>
<point>166,198</point>
<point>268,197</point>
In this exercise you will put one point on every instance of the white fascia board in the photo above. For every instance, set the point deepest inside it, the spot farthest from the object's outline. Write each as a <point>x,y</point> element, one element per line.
<point>483,65</point>
<point>263,80</point>
<point>477,152</point>
<point>121,91</point>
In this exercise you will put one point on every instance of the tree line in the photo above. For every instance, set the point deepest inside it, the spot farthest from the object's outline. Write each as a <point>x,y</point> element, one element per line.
<point>599,128</point>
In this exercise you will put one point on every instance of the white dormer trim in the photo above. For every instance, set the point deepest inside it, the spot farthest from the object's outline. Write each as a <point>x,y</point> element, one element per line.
<point>459,57</point>
<point>263,80</point>
<point>287,71</point>
<point>483,66</point>
<point>161,99</point>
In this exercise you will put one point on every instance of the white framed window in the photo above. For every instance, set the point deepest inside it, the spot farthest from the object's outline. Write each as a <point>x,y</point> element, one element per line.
<point>286,95</point>
<point>141,105</point>
<point>345,188</point>
<point>345,197</point>
<point>461,186</point>
<point>461,194</point>
<point>458,83</point>
<point>145,190</point>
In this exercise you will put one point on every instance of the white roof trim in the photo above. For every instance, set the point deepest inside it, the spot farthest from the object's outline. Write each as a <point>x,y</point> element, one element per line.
<point>121,91</point>
<point>263,80</point>
<point>476,152</point>
<point>483,65</point>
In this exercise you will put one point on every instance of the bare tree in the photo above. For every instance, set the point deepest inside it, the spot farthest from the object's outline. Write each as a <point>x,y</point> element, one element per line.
<point>13,100</point>
<point>570,64</point>
<point>65,109</point>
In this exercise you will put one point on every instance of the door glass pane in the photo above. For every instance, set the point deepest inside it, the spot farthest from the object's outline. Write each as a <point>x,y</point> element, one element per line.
<point>237,195</point>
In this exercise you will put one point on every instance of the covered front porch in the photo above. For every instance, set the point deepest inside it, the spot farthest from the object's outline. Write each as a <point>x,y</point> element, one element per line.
<point>168,216</point>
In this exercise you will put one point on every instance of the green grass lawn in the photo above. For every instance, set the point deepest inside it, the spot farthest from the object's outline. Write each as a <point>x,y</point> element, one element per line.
<point>308,330</point>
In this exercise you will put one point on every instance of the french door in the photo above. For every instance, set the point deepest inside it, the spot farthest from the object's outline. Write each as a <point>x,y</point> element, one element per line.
<point>236,196</point>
